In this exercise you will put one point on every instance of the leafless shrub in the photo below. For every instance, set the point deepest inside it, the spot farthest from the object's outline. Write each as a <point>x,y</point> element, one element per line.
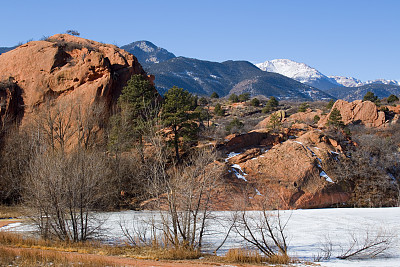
<point>367,244</point>
<point>63,190</point>
<point>371,171</point>
<point>264,230</point>
<point>325,252</point>
<point>188,199</point>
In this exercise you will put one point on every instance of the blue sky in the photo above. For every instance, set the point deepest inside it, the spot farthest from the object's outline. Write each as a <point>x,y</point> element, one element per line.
<point>349,38</point>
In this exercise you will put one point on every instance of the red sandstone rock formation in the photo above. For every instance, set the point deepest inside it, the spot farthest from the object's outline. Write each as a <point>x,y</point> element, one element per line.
<point>359,112</point>
<point>66,69</point>
<point>292,170</point>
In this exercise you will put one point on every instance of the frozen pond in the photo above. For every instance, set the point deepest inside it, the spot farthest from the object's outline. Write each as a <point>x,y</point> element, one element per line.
<point>307,230</point>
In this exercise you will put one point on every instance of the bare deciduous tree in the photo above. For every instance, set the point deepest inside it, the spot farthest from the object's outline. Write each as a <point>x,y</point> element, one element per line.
<point>189,197</point>
<point>264,230</point>
<point>63,190</point>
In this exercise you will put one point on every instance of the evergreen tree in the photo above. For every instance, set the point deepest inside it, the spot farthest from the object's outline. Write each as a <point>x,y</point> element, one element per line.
<point>273,102</point>
<point>370,96</point>
<point>244,97</point>
<point>136,104</point>
<point>392,98</point>
<point>234,98</point>
<point>234,125</point>
<point>179,114</point>
<point>275,121</point>
<point>330,104</point>
<point>203,101</point>
<point>335,119</point>
<point>255,102</point>
<point>316,119</point>
<point>303,107</point>
<point>218,110</point>
<point>214,95</point>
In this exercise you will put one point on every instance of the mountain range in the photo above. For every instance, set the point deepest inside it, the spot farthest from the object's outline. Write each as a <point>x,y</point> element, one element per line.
<point>147,53</point>
<point>205,77</point>
<point>299,72</point>
<point>6,49</point>
<point>282,78</point>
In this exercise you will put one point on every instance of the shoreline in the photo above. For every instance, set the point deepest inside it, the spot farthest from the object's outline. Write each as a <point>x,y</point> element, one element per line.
<point>5,222</point>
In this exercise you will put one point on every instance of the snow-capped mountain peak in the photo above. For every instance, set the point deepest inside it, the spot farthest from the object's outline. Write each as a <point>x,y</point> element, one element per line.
<point>292,69</point>
<point>383,81</point>
<point>146,46</point>
<point>298,71</point>
<point>147,53</point>
<point>347,81</point>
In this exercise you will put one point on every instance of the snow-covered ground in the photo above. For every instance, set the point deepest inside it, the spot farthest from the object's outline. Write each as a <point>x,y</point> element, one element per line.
<point>307,231</point>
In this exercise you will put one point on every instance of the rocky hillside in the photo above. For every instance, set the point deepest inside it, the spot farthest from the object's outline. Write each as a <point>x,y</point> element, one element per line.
<point>147,53</point>
<point>60,71</point>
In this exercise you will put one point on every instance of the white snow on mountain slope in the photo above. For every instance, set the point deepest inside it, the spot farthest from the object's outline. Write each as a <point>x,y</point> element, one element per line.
<point>147,52</point>
<point>347,81</point>
<point>146,46</point>
<point>353,82</point>
<point>299,72</point>
<point>311,76</point>
<point>383,81</point>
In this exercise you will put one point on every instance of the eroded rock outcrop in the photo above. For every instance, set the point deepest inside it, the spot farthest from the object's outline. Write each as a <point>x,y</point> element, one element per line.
<point>293,171</point>
<point>66,68</point>
<point>289,172</point>
<point>358,112</point>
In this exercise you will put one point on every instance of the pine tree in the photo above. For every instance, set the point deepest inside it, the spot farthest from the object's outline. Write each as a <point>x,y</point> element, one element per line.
<point>330,104</point>
<point>234,98</point>
<point>255,102</point>
<point>218,110</point>
<point>273,102</point>
<point>392,98</point>
<point>214,95</point>
<point>303,107</point>
<point>178,114</point>
<point>275,121</point>
<point>335,119</point>
<point>244,97</point>
<point>136,103</point>
<point>370,96</point>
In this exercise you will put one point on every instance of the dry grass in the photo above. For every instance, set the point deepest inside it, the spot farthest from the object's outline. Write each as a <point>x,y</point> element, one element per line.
<point>11,212</point>
<point>141,252</point>
<point>279,259</point>
<point>180,253</point>
<point>252,256</point>
<point>238,255</point>
<point>16,250</point>
<point>17,240</point>
<point>22,258</point>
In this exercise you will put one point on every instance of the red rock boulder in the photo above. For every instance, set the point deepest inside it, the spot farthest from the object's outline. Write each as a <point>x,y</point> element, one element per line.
<point>358,112</point>
<point>292,170</point>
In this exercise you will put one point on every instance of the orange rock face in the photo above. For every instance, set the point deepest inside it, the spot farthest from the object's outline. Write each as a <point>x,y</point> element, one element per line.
<point>292,171</point>
<point>66,68</point>
<point>358,112</point>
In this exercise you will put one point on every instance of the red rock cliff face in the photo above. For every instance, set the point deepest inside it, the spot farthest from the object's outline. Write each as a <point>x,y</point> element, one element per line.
<point>359,112</point>
<point>70,69</point>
